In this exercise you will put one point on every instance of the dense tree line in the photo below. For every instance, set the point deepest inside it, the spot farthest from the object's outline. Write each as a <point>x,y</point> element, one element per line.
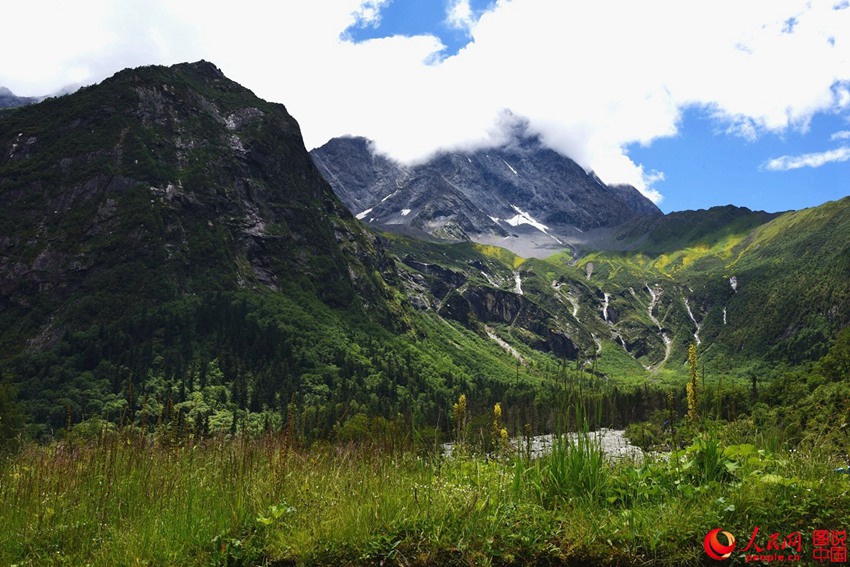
<point>240,361</point>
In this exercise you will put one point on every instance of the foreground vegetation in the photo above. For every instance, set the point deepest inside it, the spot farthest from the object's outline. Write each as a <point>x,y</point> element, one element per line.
<point>205,359</point>
<point>383,492</point>
<point>126,497</point>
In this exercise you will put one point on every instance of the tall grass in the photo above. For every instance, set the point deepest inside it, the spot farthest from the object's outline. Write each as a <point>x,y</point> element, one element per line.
<point>129,499</point>
<point>126,498</point>
<point>576,467</point>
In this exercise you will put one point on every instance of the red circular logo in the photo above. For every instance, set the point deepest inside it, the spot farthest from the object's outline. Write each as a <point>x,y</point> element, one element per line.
<point>715,549</point>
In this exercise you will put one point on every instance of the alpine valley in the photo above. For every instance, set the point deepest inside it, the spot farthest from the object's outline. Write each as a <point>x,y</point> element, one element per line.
<point>166,232</point>
<point>598,270</point>
<point>217,347</point>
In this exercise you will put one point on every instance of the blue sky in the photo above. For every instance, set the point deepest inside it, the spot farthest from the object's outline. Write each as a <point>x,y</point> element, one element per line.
<point>704,166</point>
<point>695,103</point>
<point>412,17</point>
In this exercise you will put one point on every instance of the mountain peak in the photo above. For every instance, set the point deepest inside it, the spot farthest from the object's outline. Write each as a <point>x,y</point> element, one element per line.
<point>161,182</point>
<point>8,99</point>
<point>202,66</point>
<point>522,195</point>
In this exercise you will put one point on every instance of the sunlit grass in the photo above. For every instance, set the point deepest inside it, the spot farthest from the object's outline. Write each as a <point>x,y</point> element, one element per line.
<point>132,499</point>
<point>502,254</point>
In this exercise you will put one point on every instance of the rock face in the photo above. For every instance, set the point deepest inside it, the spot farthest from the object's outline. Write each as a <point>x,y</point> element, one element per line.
<point>523,197</point>
<point>360,176</point>
<point>472,305</point>
<point>160,183</point>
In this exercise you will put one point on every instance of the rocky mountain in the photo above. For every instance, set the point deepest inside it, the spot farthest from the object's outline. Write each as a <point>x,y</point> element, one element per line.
<point>360,176</point>
<point>8,99</point>
<point>522,197</point>
<point>168,246</point>
<point>750,289</point>
<point>616,271</point>
<point>151,209</point>
<point>160,183</point>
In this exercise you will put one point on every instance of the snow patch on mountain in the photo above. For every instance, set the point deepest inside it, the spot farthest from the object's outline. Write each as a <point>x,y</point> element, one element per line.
<point>523,217</point>
<point>668,342</point>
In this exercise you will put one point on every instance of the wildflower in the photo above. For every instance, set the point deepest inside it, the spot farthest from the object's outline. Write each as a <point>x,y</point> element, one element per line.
<point>459,414</point>
<point>691,388</point>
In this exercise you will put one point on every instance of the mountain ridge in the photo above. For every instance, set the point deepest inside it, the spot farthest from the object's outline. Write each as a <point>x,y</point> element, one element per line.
<point>167,226</point>
<point>167,244</point>
<point>8,99</point>
<point>173,185</point>
<point>522,196</point>
<point>752,294</point>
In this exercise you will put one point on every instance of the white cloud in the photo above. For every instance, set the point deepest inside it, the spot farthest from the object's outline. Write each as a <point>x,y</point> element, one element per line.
<point>369,13</point>
<point>589,77</point>
<point>459,15</point>
<point>842,135</point>
<point>652,194</point>
<point>52,43</point>
<point>741,126</point>
<point>785,163</point>
<point>649,179</point>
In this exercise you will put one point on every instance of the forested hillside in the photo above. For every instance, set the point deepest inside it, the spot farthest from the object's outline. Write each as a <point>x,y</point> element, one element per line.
<point>170,252</point>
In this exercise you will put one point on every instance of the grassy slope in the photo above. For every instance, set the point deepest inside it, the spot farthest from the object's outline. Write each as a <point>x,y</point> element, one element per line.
<point>792,297</point>
<point>791,272</point>
<point>793,275</point>
<point>578,301</point>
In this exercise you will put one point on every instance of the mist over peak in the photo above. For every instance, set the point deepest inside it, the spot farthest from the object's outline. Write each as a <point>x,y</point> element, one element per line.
<point>520,194</point>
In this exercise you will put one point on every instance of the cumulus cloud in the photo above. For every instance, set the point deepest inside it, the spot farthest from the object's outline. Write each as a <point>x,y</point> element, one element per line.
<point>459,15</point>
<point>842,135</point>
<point>785,163</point>
<point>589,78</point>
<point>369,13</point>
<point>51,44</point>
<point>650,178</point>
